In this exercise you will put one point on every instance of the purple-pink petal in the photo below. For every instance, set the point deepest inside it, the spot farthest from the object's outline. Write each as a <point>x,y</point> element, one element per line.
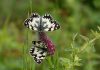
<point>50,46</point>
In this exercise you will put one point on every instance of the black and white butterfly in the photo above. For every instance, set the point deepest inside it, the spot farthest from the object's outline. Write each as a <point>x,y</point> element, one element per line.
<point>41,23</point>
<point>38,51</point>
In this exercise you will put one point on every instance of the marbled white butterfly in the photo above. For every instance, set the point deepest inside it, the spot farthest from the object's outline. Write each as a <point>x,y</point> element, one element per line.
<point>41,23</point>
<point>38,51</point>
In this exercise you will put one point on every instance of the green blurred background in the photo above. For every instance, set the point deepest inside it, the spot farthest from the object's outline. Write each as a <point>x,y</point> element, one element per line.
<point>79,20</point>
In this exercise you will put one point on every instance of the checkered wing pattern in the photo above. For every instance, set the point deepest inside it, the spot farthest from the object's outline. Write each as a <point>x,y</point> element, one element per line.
<point>38,51</point>
<point>32,22</point>
<point>49,24</point>
<point>41,23</point>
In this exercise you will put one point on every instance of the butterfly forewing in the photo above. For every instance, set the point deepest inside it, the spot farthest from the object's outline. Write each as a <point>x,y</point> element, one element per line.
<point>38,51</point>
<point>32,22</point>
<point>49,24</point>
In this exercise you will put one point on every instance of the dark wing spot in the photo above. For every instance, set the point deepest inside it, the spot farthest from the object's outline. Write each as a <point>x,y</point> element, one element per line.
<point>34,15</point>
<point>47,16</point>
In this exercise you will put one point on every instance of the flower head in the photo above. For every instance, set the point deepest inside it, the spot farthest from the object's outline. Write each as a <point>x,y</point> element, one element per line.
<point>50,46</point>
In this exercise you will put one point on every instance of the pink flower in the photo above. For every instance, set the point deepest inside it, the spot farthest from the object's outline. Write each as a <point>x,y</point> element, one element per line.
<point>50,46</point>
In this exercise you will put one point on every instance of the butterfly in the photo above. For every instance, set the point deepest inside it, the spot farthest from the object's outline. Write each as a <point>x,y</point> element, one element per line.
<point>41,23</point>
<point>38,51</point>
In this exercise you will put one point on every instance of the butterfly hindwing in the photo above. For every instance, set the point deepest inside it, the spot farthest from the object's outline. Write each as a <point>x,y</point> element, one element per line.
<point>32,22</point>
<point>38,51</point>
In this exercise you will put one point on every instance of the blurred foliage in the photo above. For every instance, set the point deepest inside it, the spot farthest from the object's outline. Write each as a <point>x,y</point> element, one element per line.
<point>77,42</point>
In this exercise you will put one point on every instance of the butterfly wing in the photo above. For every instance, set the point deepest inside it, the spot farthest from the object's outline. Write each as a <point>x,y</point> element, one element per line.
<point>38,51</point>
<point>49,24</point>
<point>32,22</point>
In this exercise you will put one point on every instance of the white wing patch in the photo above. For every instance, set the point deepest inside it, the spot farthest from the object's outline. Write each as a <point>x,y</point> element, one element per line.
<point>32,22</point>
<point>38,51</point>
